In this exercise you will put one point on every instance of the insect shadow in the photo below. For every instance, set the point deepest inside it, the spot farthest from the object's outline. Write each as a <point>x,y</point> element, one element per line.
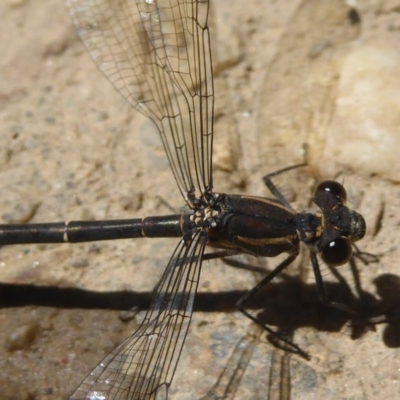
<point>288,305</point>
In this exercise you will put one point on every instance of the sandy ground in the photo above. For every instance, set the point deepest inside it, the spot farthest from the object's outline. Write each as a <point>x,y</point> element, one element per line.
<point>288,74</point>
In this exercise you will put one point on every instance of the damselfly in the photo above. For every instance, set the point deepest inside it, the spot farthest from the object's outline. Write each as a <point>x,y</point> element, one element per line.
<point>158,55</point>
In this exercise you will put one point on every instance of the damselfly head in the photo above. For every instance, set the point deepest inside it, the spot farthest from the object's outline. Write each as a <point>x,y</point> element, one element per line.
<point>342,226</point>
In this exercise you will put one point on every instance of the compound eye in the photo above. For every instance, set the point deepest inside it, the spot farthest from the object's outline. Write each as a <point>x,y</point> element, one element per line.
<point>333,187</point>
<point>337,252</point>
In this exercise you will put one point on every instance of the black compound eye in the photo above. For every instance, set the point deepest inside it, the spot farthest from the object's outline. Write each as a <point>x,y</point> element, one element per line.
<point>337,252</point>
<point>334,188</point>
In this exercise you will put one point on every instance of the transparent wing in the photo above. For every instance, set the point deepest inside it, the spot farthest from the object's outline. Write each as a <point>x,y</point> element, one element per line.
<point>143,366</point>
<point>157,54</point>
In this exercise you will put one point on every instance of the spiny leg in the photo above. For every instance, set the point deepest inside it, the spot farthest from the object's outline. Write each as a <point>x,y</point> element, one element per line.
<point>272,187</point>
<point>244,299</point>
